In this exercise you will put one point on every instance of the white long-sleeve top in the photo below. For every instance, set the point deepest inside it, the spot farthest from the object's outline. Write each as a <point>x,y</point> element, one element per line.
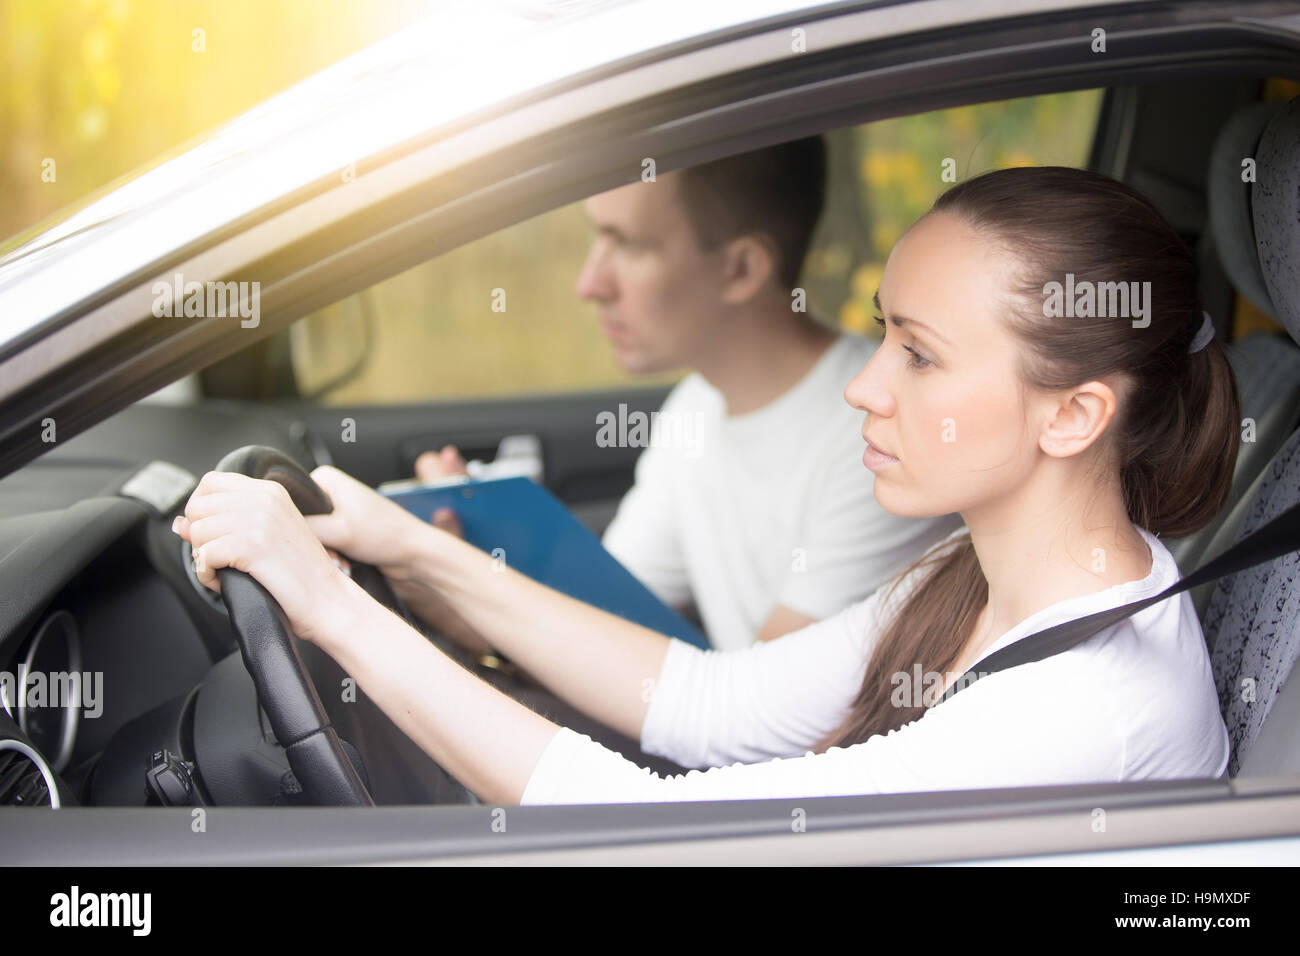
<point>1136,701</point>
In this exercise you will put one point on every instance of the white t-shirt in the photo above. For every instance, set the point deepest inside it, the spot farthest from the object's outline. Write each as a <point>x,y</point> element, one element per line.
<point>744,512</point>
<point>1134,702</point>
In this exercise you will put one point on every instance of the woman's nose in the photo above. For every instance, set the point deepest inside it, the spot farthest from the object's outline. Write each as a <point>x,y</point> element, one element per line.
<point>868,391</point>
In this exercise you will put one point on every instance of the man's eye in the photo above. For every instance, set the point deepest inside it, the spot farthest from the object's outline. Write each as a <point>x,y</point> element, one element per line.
<point>880,321</point>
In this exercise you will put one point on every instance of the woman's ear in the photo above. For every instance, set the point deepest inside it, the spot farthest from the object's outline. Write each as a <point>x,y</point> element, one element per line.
<point>1076,418</point>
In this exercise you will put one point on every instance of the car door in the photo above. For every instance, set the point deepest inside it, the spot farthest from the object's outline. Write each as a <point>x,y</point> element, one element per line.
<point>589,479</point>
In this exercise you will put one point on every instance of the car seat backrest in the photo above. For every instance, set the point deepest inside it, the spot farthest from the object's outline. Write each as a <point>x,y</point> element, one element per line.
<point>1252,625</point>
<point>1276,210</point>
<point>1231,223</point>
<point>1267,370</point>
<point>1266,365</point>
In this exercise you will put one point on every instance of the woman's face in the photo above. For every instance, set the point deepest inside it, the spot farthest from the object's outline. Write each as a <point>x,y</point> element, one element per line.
<point>942,395</point>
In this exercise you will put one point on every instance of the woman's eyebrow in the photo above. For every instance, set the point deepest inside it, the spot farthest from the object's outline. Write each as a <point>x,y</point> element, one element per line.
<point>900,321</point>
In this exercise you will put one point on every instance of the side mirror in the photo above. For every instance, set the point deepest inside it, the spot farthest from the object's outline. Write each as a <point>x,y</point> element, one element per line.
<point>333,346</point>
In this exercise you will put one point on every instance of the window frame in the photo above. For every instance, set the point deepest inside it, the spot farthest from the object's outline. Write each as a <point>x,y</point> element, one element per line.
<point>314,257</point>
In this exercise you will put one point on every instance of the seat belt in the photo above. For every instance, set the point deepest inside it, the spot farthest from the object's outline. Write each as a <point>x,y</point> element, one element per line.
<point>1278,537</point>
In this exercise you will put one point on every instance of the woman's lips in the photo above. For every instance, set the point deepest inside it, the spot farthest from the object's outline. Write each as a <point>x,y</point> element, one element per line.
<point>874,458</point>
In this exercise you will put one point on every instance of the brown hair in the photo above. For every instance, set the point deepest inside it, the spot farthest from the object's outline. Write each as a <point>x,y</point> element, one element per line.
<point>1173,439</point>
<point>778,192</point>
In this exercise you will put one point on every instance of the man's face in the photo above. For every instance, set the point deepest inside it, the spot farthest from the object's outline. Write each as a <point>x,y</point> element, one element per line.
<point>658,293</point>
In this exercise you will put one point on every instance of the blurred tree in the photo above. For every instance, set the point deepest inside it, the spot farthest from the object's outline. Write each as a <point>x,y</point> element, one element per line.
<point>102,87</point>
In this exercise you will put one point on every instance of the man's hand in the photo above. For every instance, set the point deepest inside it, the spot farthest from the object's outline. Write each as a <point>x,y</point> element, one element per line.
<point>432,465</point>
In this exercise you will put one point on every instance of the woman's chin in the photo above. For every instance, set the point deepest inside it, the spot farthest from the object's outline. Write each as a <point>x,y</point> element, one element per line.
<point>906,503</point>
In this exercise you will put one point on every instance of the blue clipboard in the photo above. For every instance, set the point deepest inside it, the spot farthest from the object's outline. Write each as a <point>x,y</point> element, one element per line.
<point>539,537</point>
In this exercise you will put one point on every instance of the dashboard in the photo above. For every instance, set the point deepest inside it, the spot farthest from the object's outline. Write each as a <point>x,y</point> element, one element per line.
<point>106,635</point>
<point>121,681</point>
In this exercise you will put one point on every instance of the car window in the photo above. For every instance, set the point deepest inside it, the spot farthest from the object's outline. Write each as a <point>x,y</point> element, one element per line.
<point>500,316</point>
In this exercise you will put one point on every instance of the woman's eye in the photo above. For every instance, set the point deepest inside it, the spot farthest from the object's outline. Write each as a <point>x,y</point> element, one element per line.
<point>916,360</point>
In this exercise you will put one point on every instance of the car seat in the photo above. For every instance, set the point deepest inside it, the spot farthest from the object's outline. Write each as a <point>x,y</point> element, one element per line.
<point>1252,624</point>
<point>1266,365</point>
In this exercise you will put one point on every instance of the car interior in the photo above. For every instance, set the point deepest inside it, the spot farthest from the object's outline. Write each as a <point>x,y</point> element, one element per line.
<point>94,580</point>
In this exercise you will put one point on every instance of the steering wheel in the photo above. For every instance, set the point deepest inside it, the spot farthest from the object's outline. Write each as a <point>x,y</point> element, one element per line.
<point>284,687</point>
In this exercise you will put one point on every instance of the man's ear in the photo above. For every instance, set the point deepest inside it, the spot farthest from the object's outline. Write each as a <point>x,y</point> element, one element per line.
<point>1077,417</point>
<point>749,263</point>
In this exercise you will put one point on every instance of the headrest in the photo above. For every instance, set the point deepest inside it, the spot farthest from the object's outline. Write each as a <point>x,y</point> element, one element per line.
<point>1231,221</point>
<point>1276,209</point>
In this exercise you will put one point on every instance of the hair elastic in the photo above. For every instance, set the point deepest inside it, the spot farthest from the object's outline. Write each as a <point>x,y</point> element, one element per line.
<point>1203,334</point>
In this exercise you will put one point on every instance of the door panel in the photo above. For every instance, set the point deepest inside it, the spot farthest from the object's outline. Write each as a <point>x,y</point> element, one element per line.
<point>587,477</point>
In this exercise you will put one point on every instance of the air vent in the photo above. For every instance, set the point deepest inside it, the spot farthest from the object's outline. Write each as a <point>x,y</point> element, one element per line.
<point>25,778</point>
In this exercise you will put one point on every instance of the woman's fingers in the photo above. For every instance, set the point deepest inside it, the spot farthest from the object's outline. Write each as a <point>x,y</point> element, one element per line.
<point>364,524</point>
<point>209,529</point>
<point>209,541</point>
<point>332,530</point>
<point>215,481</point>
<point>333,479</point>
<point>206,574</point>
<point>203,506</point>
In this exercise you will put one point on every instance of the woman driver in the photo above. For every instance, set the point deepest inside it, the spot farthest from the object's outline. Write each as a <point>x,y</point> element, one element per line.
<point>1067,444</point>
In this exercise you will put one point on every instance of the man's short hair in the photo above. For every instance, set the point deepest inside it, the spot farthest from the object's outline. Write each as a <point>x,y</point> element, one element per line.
<point>778,191</point>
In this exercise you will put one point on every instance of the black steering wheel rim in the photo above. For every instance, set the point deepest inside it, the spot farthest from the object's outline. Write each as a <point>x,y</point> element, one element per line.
<point>266,643</point>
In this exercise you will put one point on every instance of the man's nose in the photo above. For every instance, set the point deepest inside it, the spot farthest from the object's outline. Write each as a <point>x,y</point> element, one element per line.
<point>593,280</point>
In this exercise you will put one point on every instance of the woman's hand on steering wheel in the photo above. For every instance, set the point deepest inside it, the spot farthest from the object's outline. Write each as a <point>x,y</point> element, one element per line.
<point>252,525</point>
<point>364,525</point>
